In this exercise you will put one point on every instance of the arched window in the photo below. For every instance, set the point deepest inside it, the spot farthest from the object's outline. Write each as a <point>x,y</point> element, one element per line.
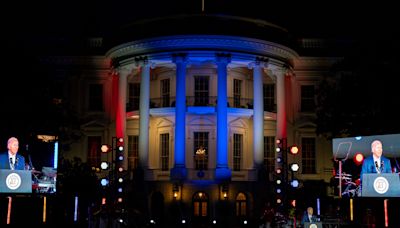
<point>200,204</point>
<point>241,205</point>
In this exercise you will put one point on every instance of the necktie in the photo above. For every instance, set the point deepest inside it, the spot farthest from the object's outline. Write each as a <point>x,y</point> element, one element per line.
<point>12,164</point>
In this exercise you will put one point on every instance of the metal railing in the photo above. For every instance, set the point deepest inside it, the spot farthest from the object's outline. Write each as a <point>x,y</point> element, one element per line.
<point>196,101</point>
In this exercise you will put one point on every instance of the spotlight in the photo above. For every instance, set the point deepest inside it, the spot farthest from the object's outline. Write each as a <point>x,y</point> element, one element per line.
<point>104,182</point>
<point>294,183</point>
<point>294,167</point>
<point>104,165</point>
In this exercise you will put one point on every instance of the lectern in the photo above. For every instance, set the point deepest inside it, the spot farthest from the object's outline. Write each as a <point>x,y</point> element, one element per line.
<point>313,225</point>
<point>380,185</point>
<point>15,181</point>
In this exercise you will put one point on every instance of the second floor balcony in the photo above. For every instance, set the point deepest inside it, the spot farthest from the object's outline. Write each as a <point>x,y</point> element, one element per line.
<point>199,101</point>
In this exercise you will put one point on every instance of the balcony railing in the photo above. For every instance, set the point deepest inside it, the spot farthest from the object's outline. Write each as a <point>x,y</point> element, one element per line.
<point>168,102</point>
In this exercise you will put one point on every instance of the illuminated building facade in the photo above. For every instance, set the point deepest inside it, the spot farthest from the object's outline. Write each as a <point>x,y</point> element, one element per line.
<point>200,113</point>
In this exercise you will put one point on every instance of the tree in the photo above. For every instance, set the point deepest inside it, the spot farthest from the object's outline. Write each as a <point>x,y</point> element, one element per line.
<point>359,96</point>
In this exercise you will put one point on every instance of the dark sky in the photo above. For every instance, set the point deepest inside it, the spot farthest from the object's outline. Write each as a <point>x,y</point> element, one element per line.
<point>374,25</point>
<point>309,18</point>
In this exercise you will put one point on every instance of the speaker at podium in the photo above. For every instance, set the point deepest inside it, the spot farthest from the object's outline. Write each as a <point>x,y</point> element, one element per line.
<point>15,181</point>
<point>380,185</point>
<point>313,225</point>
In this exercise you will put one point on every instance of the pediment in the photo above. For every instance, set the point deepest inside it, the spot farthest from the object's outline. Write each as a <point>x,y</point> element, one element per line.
<point>240,123</point>
<point>93,124</point>
<point>306,125</point>
<point>163,122</point>
<point>201,121</point>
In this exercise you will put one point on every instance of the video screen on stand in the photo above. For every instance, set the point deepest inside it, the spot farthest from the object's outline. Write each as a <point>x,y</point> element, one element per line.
<point>29,167</point>
<point>367,166</point>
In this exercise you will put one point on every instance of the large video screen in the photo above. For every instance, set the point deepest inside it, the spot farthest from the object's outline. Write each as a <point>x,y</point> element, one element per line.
<point>367,166</point>
<point>29,167</point>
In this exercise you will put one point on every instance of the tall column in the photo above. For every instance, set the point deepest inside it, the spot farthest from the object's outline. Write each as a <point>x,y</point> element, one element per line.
<point>120,125</point>
<point>222,171</point>
<point>258,116</point>
<point>144,113</point>
<point>179,171</point>
<point>281,104</point>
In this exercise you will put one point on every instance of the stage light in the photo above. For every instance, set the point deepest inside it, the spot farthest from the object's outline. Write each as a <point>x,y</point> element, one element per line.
<point>104,182</point>
<point>279,145</point>
<point>294,150</point>
<point>278,170</point>
<point>294,167</point>
<point>358,158</point>
<point>121,157</point>
<point>105,148</point>
<point>278,181</point>
<point>294,183</point>
<point>279,159</point>
<point>104,165</point>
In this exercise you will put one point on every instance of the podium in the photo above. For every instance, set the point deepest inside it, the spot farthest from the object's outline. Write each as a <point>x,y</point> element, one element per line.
<point>380,185</point>
<point>313,225</point>
<point>15,181</point>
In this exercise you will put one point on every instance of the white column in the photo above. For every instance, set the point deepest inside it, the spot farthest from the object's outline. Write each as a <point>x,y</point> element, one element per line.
<point>179,170</point>
<point>144,114</point>
<point>123,73</point>
<point>258,116</point>
<point>281,104</point>
<point>222,171</point>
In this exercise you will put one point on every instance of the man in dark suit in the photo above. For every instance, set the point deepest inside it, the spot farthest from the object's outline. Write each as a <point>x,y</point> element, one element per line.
<point>309,216</point>
<point>11,159</point>
<point>376,163</point>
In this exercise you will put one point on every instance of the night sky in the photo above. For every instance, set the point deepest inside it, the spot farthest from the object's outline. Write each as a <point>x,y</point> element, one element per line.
<point>373,27</point>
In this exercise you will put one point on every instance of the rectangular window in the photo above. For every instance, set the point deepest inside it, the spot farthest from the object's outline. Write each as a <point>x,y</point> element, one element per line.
<point>237,151</point>
<point>237,91</point>
<point>200,209</point>
<point>164,151</point>
<point>308,152</point>
<point>201,91</point>
<point>203,209</point>
<point>133,151</point>
<point>94,153</point>
<point>200,144</point>
<point>269,97</point>
<point>269,153</point>
<point>96,97</point>
<point>134,96</point>
<point>165,93</point>
<point>307,98</point>
<point>196,208</point>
